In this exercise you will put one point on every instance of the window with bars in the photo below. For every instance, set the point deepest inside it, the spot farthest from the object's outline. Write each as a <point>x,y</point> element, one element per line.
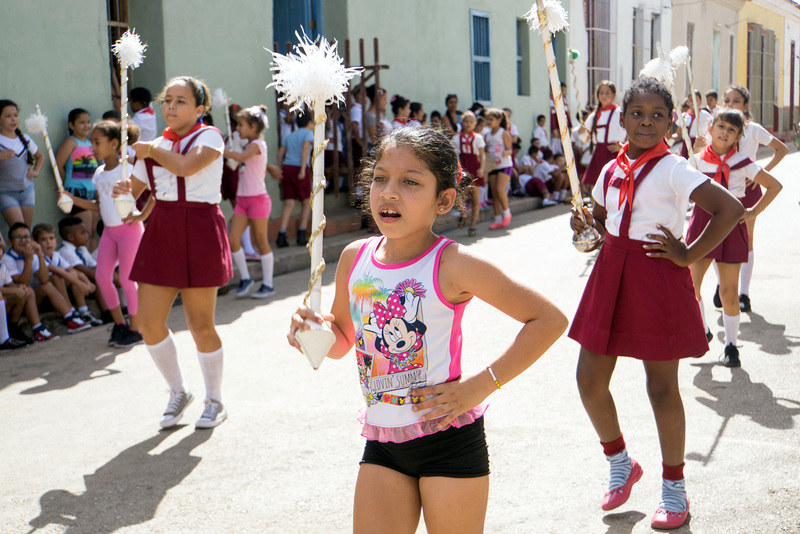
<point>715,48</point>
<point>638,42</point>
<point>690,46</point>
<point>655,34</point>
<point>118,23</point>
<point>523,59</point>
<point>761,44</point>
<point>598,29</point>
<point>481,57</point>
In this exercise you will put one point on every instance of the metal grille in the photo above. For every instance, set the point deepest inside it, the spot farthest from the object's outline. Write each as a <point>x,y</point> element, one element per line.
<point>598,28</point>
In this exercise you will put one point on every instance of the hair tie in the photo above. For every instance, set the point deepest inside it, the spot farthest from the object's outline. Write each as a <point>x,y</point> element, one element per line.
<point>203,93</point>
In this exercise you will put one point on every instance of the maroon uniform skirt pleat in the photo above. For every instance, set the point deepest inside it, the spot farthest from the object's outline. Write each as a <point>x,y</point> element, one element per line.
<point>638,306</point>
<point>733,248</point>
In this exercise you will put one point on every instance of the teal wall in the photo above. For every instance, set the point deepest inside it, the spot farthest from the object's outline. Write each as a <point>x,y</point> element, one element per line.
<point>55,54</point>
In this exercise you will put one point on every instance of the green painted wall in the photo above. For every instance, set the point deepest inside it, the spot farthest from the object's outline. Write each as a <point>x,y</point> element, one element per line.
<point>428,51</point>
<point>55,55</point>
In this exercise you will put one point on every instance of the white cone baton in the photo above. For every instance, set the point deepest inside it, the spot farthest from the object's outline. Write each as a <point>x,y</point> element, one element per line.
<point>548,18</point>
<point>220,99</point>
<point>313,75</point>
<point>129,51</point>
<point>37,124</point>
<point>680,55</point>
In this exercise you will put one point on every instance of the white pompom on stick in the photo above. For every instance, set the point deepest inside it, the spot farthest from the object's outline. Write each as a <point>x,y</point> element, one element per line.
<point>314,75</point>
<point>556,18</point>
<point>679,56</point>
<point>129,50</point>
<point>37,124</point>
<point>660,69</point>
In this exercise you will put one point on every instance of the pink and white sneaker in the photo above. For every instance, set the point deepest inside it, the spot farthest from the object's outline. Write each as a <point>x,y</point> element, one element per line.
<point>506,221</point>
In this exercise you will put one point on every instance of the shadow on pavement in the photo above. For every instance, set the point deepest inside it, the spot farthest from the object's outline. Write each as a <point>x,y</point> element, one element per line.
<point>126,491</point>
<point>771,338</point>
<point>622,523</point>
<point>741,396</point>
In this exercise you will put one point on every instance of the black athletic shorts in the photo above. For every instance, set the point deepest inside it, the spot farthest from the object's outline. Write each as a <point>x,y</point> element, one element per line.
<point>455,453</point>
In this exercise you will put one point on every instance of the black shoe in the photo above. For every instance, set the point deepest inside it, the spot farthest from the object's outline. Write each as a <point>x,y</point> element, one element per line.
<point>12,344</point>
<point>717,301</point>
<point>709,335</point>
<point>16,332</point>
<point>731,358</point>
<point>744,303</point>
<point>302,240</point>
<point>88,318</point>
<point>116,334</point>
<point>282,241</point>
<point>129,338</point>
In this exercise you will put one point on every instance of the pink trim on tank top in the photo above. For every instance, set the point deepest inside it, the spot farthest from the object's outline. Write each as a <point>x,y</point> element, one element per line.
<point>358,257</point>
<point>404,264</point>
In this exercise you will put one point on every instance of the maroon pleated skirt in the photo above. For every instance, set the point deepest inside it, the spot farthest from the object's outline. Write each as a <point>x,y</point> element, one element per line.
<point>185,244</point>
<point>600,157</point>
<point>733,249</point>
<point>751,196</point>
<point>638,306</point>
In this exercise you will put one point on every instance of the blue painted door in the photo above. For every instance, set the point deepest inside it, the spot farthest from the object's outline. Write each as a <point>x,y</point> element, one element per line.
<point>290,16</point>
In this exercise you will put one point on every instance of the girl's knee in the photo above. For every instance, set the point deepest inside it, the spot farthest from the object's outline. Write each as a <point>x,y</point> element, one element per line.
<point>663,394</point>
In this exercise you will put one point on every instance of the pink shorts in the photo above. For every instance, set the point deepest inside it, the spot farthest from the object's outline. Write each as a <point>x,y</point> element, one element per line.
<point>257,207</point>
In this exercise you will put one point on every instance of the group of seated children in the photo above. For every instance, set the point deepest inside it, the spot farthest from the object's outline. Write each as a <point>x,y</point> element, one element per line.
<point>36,278</point>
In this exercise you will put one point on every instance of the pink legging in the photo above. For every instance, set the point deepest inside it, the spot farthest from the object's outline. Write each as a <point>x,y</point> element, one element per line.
<point>119,243</point>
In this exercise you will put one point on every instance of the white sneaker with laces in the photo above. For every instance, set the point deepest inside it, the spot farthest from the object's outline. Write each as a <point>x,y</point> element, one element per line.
<point>244,288</point>
<point>549,202</point>
<point>214,414</point>
<point>263,292</point>
<point>178,401</point>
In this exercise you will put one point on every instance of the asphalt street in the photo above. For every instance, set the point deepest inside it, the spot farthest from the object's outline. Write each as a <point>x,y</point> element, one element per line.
<point>81,450</point>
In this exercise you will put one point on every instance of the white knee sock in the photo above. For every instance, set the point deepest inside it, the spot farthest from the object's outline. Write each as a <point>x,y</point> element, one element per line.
<point>703,314</point>
<point>165,355</point>
<point>241,264</point>
<point>716,270</point>
<point>731,323</point>
<point>745,275</point>
<point>211,365</point>
<point>3,323</point>
<point>267,267</point>
<point>247,243</point>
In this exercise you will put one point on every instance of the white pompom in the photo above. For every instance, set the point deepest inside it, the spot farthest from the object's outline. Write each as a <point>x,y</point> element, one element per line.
<point>36,123</point>
<point>313,73</point>
<point>220,99</point>
<point>660,69</point>
<point>555,17</point>
<point>129,50</point>
<point>679,55</point>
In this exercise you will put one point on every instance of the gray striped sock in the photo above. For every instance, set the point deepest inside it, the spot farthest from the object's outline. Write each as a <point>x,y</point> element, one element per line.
<point>620,468</point>
<point>673,495</point>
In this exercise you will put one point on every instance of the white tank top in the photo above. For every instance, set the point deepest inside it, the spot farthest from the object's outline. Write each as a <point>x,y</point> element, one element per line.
<point>407,336</point>
<point>496,147</point>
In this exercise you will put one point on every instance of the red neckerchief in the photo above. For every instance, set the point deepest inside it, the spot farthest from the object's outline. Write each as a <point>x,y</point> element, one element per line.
<point>176,139</point>
<point>723,169</point>
<point>606,108</point>
<point>628,185</point>
<point>401,120</point>
<point>148,110</point>
<point>466,140</point>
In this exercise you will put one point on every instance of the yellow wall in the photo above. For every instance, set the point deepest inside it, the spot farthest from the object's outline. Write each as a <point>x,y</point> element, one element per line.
<point>768,19</point>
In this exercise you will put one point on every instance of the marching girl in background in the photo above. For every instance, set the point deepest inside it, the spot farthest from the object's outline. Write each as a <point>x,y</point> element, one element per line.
<point>120,240</point>
<point>498,145</point>
<point>607,136</point>
<point>729,168</point>
<point>555,132</point>
<point>755,135</point>
<point>185,244</point>
<point>77,163</point>
<point>639,301</point>
<point>399,300</point>
<point>20,161</point>
<point>451,120</point>
<point>693,124</point>
<point>253,204</point>
<point>401,108</point>
<point>470,148</point>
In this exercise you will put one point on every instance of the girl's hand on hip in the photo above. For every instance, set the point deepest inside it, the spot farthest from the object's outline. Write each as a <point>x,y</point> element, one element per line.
<point>32,173</point>
<point>667,246</point>
<point>448,400</point>
<point>298,322</point>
